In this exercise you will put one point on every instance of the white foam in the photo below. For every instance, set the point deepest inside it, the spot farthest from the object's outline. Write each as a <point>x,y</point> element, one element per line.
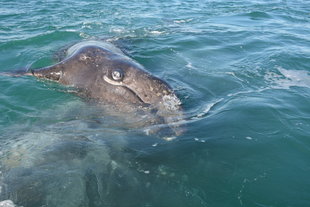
<point>155,145</point>
<point>155,32</point>
<point>182,21</point>
<point>84,35</point>
<point>7,203</point>
<point>71,30</point>
<point>297,77</point>
<point>199,140</point>
<point>169,138</point>
<point>171,102</point>
<point>119,30</point>
<point>235,76</point>
<point>190,65</point>
<point>289,78</point>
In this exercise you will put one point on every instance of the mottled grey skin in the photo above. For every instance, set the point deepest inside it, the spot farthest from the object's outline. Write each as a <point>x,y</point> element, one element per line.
<point>89,67</point>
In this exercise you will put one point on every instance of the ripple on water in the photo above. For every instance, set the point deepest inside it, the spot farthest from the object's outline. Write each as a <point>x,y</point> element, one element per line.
<point>241,69</point>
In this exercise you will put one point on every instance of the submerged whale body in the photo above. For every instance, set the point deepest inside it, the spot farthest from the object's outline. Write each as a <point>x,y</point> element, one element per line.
<point>33,167</point>
<point>104,73</point>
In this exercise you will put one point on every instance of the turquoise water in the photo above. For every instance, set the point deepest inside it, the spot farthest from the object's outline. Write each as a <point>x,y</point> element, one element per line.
<point>241,69</point>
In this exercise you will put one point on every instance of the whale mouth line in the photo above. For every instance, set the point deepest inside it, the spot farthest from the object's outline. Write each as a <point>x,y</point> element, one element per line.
<point>116,83</point>
<point>112,82</point>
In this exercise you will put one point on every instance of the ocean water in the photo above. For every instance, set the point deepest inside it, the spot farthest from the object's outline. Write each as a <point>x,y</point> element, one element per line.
<point>241,69</point>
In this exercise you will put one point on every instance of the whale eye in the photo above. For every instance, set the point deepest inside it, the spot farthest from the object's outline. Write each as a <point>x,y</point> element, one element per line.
<point>117,75</point>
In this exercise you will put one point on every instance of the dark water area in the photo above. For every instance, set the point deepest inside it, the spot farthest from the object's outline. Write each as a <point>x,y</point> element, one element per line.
<point>240,68</point>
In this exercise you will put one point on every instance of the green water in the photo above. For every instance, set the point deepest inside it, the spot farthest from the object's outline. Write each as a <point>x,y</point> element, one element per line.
<point>241,69</point>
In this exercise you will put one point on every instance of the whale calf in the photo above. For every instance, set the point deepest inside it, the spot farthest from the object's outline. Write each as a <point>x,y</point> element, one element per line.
<point>102,72</point>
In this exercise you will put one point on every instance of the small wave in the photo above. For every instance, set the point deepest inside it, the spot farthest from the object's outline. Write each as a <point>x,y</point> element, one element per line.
<point>205,110</point>
<point>38,39</point>
<point>258,15</point>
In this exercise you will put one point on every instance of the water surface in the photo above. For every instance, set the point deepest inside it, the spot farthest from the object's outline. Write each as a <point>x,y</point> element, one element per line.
<point>241,69</point>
